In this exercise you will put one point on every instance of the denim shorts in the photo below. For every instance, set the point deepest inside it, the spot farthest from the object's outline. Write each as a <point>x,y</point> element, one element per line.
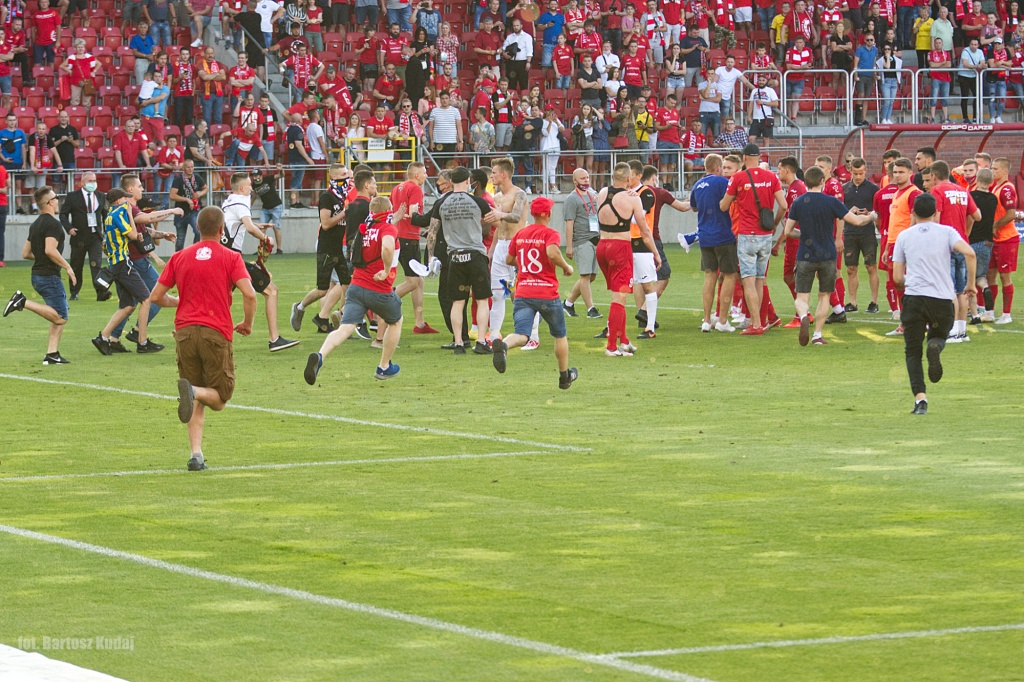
<point>51,288</point>
<point>525,309</point>
<point>958,271</point>
<point>273,216</point>
<point>298,175</point>
<point>795,87</point>
<point>359,300</point>
<point>675,82</point>
<point>983,252</point>
<point>5,84</point>
<point>753,251</point>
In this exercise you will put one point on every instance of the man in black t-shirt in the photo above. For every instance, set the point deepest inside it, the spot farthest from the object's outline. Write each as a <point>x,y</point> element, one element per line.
<point>264,186</point>
<point>187,192</point>
<point>981,243</point>
<point>330,253</point>
<point>44,246</point>
<point>64,138</point>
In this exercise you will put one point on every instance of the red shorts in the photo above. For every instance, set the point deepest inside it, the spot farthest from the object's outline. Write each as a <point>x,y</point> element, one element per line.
<point>154,128</point>
<point>1004,256</point>
<point>789,264</point>
<point>615,257</point>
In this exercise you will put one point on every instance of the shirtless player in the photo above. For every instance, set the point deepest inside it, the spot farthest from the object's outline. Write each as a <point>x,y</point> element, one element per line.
<point>510,208</point>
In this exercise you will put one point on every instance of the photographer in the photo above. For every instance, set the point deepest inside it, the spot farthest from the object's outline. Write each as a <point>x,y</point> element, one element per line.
<point>187,192</point>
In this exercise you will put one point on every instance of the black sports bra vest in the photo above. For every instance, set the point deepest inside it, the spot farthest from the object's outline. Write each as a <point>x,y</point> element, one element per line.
<point>620,225</point>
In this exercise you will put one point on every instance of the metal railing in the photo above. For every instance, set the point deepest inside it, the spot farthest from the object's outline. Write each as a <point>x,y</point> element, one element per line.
<point>843,97</point>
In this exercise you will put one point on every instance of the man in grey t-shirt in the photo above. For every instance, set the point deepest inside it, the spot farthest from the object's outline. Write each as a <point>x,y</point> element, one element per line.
<point>581,236</point>
<point>463,216</point>
<point>920,264</point>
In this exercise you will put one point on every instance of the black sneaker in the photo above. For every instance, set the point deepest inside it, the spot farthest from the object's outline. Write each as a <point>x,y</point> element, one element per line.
<point>851,308</point>
<point>74,297</point>
<point>836,318</point>
<point>500,356</point>
<point>362,332</point>
<point>54,359</point>
<point>602,335</point>
<point>103,296</point>
<point>459,349</point>
<point>296,317</point>
<point>186,401</point>
<point>975,320</point>
<point>313,364</point>
<point>102,345</point>
<point>132,336</point>
<point>280,343</point>
<point>322,326</point>
<point>872,308</point>
<point>565,380</point>
<point>17,302</point>
<point>373,325</point>
<point>298,204</point>
<point>593,313</point>
<point>449,346</point>
<point>920,407</point>
<point>934,352</point>
<point>481,348</point>
<point>647,334</point>
<point>570,309</point>
<point>641,316</point>
<point>196,464</point>
<point>117,347</point>
<point>149,347</point>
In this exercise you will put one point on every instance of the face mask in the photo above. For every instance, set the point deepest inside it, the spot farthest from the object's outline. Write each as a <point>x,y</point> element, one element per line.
<point>584,186</point>
<point>336,184</point>
<point>91,186</point>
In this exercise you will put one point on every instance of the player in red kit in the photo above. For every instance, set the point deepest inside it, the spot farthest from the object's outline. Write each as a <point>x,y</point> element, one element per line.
<point>535,252</point>
<point>882,206</point>
<point>1005,240</point>
<point>795,187</point>
<point>956,208</point>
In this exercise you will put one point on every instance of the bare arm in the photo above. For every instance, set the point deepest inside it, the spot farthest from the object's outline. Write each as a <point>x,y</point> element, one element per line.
<point>645,232</point>
<point>435,225</point>
<point>248,306</point>
<point>899,275</point>
<point>518,207</point>
<point>162,298</point>
<point>157,216</point>
<point>555,256</point>
<point>387,255</point>
<point>327,221</point>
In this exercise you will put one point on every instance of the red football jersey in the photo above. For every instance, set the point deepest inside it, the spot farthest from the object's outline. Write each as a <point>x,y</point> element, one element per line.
<point>537,277</point>
<point>954,204</point>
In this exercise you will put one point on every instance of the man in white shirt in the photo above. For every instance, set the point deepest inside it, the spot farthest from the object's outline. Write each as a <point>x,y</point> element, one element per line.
<point>920,264</point>
<point>763,103</point>
<point>237,209</point>
<point>606,60</point>
<point>727,77</point>
<point>517,59</point>
<point>315,137</point>
<point>710,105</point>
<point>269,11</point>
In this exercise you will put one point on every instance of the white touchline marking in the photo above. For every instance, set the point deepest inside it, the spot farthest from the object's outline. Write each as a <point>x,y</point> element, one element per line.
<point>284,465</point>
<point>301,595</point>
<point>313,415</point>
<point>824,640</point>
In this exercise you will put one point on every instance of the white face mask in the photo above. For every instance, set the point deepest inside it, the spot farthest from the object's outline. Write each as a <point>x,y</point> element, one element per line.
<point>90,187</point>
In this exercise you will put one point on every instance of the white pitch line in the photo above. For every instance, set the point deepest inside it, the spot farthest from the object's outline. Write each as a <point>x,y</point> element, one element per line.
<point>368,609</point>
<point>313,415</point>
<point>284,465</point>
<point>913,634</point>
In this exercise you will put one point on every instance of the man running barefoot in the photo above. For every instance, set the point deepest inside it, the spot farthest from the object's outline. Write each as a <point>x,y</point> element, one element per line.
<point>534,250</point>
<point>371,290</point>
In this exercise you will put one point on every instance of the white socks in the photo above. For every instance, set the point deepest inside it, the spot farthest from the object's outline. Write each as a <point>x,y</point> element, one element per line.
<point>652,309</point>
<point>535,334</point>
<point>838,309</point>
<point>299,306</point>
<point>497,312</point>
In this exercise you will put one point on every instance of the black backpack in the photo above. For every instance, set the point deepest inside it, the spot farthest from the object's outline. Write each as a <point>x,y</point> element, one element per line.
<point>355,249</point>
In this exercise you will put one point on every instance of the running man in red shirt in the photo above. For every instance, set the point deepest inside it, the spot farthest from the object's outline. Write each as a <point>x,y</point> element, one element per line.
<point>371,290</point>
<point>956,208</point>
<point>205,275</point>
<point>535,251</point>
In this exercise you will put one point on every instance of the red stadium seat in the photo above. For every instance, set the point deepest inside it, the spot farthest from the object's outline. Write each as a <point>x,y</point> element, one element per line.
<point>102,117</point>
<point>26,118</point>
<point>111,36</point>
<point>34,97</point>
<point>121,78</point>
<point>106,157</point>
<point>49,115</point>
<point>217,128</point>
<point>85,158</point>
<point>78,116</point>
<point>97,19</point>
<point>109,95</point>
<point>125,57</point>
<point>93,136</point>
<point>103,182</point>
<point>172,130</point>
<point>90,37</point>
<point>123,113</point>
<point>131,94</point>
<point>43,76</point>
<point>105,56</point>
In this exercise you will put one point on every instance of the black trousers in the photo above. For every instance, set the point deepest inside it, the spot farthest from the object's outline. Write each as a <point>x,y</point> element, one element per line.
<point>923,315</point>
<point>80,249</point>
<point>518,77</point>
<point>446,293</point>
<point>968,92</point>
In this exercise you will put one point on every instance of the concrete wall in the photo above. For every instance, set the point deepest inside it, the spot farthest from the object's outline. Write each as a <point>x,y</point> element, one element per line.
<point>300,228</point>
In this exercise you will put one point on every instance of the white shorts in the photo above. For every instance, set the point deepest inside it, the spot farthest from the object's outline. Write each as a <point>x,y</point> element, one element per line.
<point>744,14</point>
<point>643,268</point>
<point>500,270</point>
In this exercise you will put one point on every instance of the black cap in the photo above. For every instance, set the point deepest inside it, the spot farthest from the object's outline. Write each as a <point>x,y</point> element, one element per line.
<point>116,194</point>
<point>460,174</point>
<point>751,150</point>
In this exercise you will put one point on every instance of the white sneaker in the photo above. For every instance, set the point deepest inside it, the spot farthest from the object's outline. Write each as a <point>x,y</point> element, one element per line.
<point>953,338</point>
<point>999,119</point>
<point>898,331</point>
<point>1004,319</point>
<point>532,344</point>
<point>627,348</point>
<point>963,337</point>
<point>617,353</point>
<point>197,43</point>
<point>742,324</point>
<point>724,327</point>
<point>734,311</point>
<point>714,320</point>
<point>895,315</point>
<point>706,327</point>
<point>988,316</point>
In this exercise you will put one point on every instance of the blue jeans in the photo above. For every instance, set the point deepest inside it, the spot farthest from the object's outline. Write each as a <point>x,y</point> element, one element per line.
<point>181,223</point>
<point>564,82</point>
<point>905,25</point>
<point>551,311</point>
<point>368,14</point>
<point>545,55</point>
<point>149,276</point>
<point>753,251</point>
<point>983,253</point>
<point>51,288</point>
<point>268,149</point>
<point>889,88</point>
<point>273,216</point>
<point>400,17</point>
<point>213,109</point>
<point>725,108</point>
<point>163,186</point>
<point>268,39</point>
<point>233,158</point>
<point>711,121</point>
<point>958,271</point>
<point>766,14</point>
<point>161,31</point>
<point>940,93</point>
<point>996,95</point>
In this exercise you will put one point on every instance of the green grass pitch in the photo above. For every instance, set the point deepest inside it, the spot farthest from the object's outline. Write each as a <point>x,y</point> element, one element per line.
<point>716,490</point>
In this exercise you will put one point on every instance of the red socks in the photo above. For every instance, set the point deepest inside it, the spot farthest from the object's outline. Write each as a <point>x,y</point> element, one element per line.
<point>737,293</point>
<point>616,325</point>
<point>718,308</point>
<point>792,287</point>
<point>1007,299</point>
<point>995,290</point>
<point>767,309</point>
<point>890,295</point>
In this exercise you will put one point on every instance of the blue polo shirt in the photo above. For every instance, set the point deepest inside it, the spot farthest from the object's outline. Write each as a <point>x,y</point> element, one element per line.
<point>867,58</point>
<point>144,45</point>
<point>551,33</point>
<point>714,227</point>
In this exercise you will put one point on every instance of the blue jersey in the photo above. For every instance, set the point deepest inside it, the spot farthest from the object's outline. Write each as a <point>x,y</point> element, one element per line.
<point>551,32</point>
<point>714,227</point>
<point>115,234</point>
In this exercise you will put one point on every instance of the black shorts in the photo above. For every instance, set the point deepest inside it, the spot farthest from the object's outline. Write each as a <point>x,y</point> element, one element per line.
<point>409,249</point>
<point>367,71</point>
<point>806,270</point>
<point>665,271</point>
<point>339,14</point>
<point>326,263</point>
<point>762,128</point>
<point>854,245</point>
<point>78,5</point>
<point>720,258</point>
<point>131,289</point>
<point>470,276</point>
